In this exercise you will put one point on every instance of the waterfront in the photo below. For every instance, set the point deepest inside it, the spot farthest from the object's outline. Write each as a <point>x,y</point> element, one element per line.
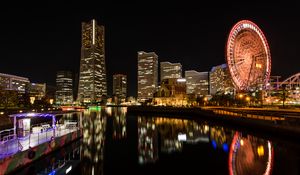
<point>114,142</point>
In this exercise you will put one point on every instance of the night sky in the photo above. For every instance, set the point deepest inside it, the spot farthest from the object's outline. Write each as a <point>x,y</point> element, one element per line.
<point>38,41</point>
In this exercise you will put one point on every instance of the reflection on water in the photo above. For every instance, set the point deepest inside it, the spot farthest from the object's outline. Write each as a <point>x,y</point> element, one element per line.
<point>94,126</point>
<point>147,140</point>
<point>160,136</point>
<point>119,123</point>
<point>153,145</point>
<point>250,154</point>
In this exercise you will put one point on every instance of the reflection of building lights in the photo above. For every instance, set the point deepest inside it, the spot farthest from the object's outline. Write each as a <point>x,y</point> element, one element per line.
<point>51,101</point>
<point>1,113</point>
<point>225,147</point>
<point>260,150</point>
<point>68,169</point>
<point>206,128</point>
<point>214,144</point>
<point>241,95</point>
<point>247,98</point>
<point>181,137</point>
<point>242,142</point>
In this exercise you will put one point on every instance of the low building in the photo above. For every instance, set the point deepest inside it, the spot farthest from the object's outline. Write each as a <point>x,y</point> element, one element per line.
<point>172,92</point>
<point>13,82</point>
<point>37,90</point>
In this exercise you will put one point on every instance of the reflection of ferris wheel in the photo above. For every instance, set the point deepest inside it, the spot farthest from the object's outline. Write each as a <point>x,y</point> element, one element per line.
<point>248,56</point>
<point>248,155</point>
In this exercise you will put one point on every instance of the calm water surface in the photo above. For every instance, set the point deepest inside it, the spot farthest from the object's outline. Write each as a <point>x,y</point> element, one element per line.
<point>116,143</point>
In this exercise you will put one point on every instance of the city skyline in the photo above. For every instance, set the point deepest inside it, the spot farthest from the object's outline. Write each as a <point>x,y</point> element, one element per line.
<point>194,39</point>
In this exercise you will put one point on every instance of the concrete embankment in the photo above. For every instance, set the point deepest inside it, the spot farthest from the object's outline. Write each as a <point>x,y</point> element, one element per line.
<point>275,127</point>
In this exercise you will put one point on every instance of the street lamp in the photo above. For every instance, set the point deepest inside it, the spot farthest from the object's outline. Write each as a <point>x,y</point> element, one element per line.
<point>241,96</point>
<point>32,99</point>
<point>205,100</point>
<point>248,100</point>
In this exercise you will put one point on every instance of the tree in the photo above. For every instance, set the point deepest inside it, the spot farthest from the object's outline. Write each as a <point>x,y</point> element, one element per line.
<point>8,98</point>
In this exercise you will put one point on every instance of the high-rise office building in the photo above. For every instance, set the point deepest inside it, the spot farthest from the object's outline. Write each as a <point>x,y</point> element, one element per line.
<point>197,83</point>
<point>92,78</point>
<point>170,70</point>
<point>220,80</point>
<point>147,75</point>
<point>120,86</point>
<point>13,82</point>
<point>64,87</point>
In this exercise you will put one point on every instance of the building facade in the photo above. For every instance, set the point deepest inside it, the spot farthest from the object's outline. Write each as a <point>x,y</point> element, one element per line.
<point>92,77</point>
<point>147,75</point>
<point>120,86</point>
<point>197,83</point>
<point>64,88</point>
<point>172,92</point>
<point>220,80</point>
<point>13,82</point>
<point>170,70</point>
<point>37,90</point>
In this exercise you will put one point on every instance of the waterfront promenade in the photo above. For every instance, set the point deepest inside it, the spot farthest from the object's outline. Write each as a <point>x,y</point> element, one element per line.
<point>281,122</point>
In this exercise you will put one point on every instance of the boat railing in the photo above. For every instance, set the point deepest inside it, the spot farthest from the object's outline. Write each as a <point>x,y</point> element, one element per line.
<point>15,144</point>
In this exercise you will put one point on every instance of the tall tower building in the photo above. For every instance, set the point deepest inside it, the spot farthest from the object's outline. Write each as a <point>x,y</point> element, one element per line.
<point>170,70</point>
<point>197,83</point>
<point>92,77</point>
<point>147,75</point>
<point>120,86</point>
<point>64,87</point>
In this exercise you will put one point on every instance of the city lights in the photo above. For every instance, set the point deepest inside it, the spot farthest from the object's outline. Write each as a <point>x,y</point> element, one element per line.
<point>133,88</point>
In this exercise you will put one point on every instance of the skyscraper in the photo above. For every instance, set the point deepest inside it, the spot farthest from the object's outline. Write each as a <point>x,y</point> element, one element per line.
<point>120,86</point>
<point>92,78</point>
<point>64,87</point>
<point>197,83</point>
<point>170,70</point>
<point>147,75</point>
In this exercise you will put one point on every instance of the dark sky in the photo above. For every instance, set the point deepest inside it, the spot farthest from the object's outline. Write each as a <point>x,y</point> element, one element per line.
<point>37,41</point>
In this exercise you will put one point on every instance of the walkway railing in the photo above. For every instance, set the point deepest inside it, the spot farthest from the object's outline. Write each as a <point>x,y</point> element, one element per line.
<point>247,115</point>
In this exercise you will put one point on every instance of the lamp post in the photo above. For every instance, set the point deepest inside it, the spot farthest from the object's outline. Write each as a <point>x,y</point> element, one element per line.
<point>205,100</point>
<point>248,100</point>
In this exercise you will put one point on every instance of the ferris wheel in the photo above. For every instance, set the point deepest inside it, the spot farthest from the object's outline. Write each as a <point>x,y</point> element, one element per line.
<point>248,56</point>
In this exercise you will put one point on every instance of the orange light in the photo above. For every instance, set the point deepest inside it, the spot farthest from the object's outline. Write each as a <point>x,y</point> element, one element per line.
<point>248,98</point>
<point>258,66</point>
<point>260,150</point>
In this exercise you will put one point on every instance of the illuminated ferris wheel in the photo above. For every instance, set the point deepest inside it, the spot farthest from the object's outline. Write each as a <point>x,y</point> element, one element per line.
<point>248,56</point>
